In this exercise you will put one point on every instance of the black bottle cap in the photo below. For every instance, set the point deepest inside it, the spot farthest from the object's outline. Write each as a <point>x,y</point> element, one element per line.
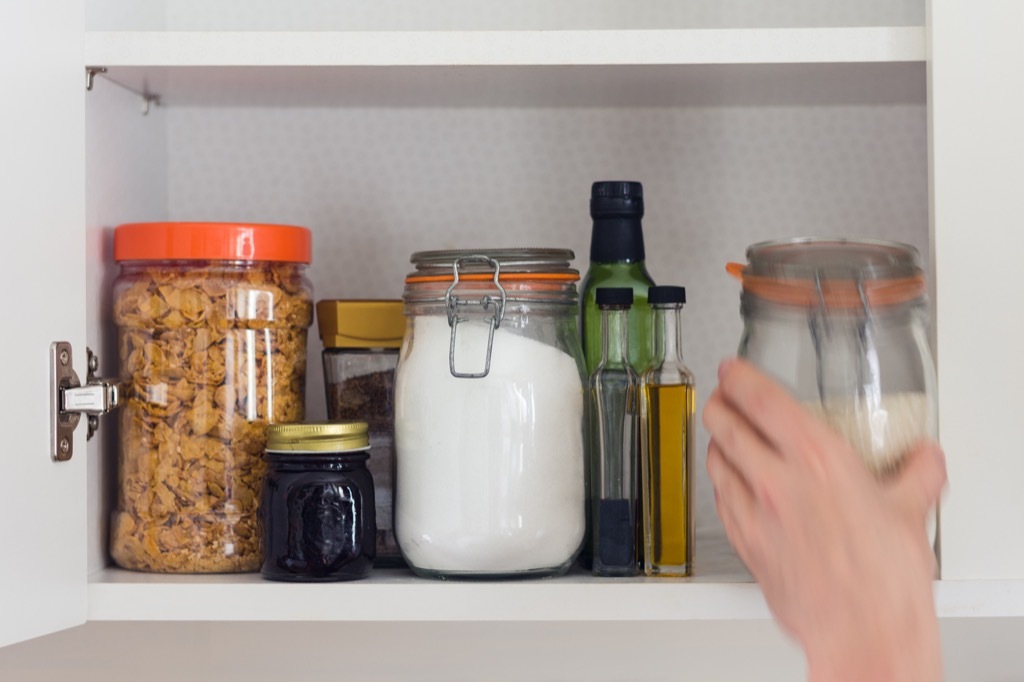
<point>614,296</point>
<point>617,199</point>
<point>666,294</point>
<point>616,207</point>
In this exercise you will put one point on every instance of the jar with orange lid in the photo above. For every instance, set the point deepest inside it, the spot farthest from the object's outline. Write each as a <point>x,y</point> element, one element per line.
<point>212,321</point>
<point>844,325</point>
<point>489,415</point>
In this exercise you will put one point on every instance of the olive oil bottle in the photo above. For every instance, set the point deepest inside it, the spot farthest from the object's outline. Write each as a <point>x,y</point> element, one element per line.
<point>667,415</point>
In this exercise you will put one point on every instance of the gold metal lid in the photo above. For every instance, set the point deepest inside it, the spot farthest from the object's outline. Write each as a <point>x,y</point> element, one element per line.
<point>318,437</point>
<point>360,323</point>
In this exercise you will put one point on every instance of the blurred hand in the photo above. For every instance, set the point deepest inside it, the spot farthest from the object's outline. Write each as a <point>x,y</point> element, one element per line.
<point>843,559</point>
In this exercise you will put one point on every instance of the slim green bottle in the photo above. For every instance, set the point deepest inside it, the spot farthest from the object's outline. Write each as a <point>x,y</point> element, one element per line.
<point>617,260</point>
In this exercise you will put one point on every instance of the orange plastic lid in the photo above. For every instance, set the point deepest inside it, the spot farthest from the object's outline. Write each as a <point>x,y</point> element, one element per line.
<point>213,241</point>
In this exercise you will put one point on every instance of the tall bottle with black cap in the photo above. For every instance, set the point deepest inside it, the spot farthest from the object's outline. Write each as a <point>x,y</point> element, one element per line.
<point>617,260</point>
<point>666,415</point>
<point>614,452</point>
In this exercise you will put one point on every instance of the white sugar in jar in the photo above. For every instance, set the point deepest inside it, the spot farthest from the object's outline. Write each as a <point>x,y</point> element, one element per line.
<point>489,415</point>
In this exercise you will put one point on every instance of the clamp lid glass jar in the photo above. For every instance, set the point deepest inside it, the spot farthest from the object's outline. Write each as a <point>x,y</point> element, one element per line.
<point>489,414</point>
<point>844,325</point>
<point>318,503</point>
<point>212,321</point>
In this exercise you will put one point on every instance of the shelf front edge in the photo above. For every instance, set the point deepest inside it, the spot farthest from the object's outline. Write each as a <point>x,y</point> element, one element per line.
<point>120,596</point>
<point>418,600</point>
<point>507,48</point>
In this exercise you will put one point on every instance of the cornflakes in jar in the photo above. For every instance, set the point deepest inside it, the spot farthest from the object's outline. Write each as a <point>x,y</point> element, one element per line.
<point>212,321</point>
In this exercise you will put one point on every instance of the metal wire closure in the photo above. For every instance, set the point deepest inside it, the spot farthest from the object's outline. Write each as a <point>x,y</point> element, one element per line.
<point>820,327</point>
<point>452,304</point>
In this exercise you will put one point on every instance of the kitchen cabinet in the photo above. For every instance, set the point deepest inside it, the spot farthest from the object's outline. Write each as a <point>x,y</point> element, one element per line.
<point>392,129</point>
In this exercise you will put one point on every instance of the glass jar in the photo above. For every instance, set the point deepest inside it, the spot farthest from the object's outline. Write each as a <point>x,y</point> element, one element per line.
<point>844,325</point>
<point>361,341</point>
<point>212,321</point>
<point>489,415</point>
<point>317,508</point>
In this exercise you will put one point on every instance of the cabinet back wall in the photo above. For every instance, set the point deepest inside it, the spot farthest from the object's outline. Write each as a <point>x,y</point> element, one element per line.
<point>377,184</point>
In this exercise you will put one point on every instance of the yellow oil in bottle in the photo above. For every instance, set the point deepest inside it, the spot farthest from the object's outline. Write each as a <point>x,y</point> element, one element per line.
<point>668,485</point>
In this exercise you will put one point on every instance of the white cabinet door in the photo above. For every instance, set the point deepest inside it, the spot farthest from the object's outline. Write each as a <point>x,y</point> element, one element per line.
<point>977,109</point>
<point>42,274</point>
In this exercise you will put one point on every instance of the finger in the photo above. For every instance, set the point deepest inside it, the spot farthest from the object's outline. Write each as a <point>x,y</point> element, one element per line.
<point>781,421</point>
<point>735,497</point>
<point>919,483</point>
<point>756,461</point>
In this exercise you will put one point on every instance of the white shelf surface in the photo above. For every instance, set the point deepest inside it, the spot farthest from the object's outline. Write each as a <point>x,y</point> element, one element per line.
<point>398,596</point>
<point>395,595</point>
<point>506,48</point>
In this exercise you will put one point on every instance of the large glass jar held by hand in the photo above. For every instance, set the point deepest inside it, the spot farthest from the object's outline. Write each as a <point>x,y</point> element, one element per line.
<point>843,324</point>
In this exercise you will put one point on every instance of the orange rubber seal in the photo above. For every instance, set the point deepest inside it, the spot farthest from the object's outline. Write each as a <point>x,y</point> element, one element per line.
<point>213,241</point>
<point>839,293</point>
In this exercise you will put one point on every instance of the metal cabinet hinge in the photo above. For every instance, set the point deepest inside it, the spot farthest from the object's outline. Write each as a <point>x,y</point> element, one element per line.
<point>69,399</point>
<point>149,99</point>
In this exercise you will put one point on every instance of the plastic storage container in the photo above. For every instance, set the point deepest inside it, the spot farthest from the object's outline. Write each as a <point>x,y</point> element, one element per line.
<point>844,325</point>
<point>212,321</point>
<point>317,510</point>
<point>361,341</point>
<point>489,415</point>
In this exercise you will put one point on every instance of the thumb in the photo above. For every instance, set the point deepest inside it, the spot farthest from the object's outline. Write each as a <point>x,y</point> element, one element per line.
<point>919,483</point>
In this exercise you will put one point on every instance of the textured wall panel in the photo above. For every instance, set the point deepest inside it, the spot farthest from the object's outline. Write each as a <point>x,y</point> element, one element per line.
<point>377,184</point>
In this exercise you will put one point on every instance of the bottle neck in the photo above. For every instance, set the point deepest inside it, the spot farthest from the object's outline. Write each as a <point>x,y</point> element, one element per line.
<point>617,240</point>
<point>615,336</point>
<point>668,333</point>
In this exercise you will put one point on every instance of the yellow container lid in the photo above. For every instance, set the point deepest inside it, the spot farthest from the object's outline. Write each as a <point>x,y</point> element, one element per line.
<point>318,436</point>
<point>361,323</point>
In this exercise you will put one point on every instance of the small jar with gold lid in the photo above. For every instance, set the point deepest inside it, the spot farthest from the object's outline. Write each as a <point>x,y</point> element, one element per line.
<point>317,509</point>
<point>361,341</point>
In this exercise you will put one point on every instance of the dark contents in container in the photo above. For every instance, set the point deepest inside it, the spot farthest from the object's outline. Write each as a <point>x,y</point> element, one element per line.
<point>615,531</point>
<point>369,398</point>
<point>318,517</point>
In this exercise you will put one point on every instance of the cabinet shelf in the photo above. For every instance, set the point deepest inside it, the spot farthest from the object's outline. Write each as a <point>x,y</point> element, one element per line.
<point>696,67</point>
<point>507,48</point>
<point>398,596</point>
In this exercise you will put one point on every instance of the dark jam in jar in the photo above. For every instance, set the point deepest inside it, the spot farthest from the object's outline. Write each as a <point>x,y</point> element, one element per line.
<point>317,511</point>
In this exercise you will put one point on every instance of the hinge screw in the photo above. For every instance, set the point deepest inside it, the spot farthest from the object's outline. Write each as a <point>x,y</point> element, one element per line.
<point>64,357</point>
<point>65,445</point>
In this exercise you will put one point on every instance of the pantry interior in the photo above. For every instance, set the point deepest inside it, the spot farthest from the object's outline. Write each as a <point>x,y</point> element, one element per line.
<point>398,128</point>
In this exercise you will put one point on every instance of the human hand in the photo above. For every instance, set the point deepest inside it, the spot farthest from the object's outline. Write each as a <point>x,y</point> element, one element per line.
<point>842,558</point>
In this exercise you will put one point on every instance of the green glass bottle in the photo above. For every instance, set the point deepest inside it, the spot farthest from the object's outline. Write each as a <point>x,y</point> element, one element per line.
<point>617,260</point>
